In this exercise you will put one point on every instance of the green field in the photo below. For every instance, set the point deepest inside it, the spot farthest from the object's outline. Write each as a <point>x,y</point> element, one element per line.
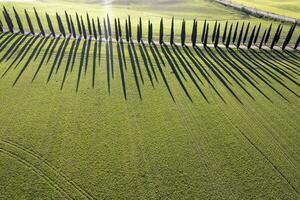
<point>288,7</point>
<point>91,120</point>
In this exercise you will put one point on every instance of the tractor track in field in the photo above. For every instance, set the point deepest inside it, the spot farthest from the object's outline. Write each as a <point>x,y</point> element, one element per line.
<point>46,170</point>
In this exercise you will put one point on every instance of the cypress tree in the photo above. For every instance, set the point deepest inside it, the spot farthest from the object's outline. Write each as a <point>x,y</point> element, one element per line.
<point>89,23</point>
<point>19,22</point>
<point>39,22</point>
<point>99,28</point>
<point>229,36</point>
<point>50,25</point>
<point>68,22</point>
<point>78,24</point>
<point>275,36</point>
<point>297,43</point>
<point>279,34</point>
<point>149,32</point>
<point>127,31</point>
<point>203,31</point>
<point>29,22</point>
<point>161,32</point>
<point>262,39</point>
<point>172,32</point>
<point>235,32</point>
<point>72,27</point>
<point>217,37</point>
<point>268,34</point>
<point>94,29</point>
<point>289,36</point>
<point>193,32</point>
<point>214,32</point>
<point>108,26</point>
<point>8,20</point>
<point>194,36</point>
<point>246,33</point>
<point>60,25</point>
<point>251,38</point>
<point>1,26</point>
<point>206,35</point>
<point>240,36</point>
<point>183,33</point>
<point>119,28</point>
<point>83,28</point>
<point>105,29</point>
<point>129,27</point>
<point>141,29</point>
<point>116,30</point>
<point>225,33</point>
<point>138,33</point>
<point>257,34</point>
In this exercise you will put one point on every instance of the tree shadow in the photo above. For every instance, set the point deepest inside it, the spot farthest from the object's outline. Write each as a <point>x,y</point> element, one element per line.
<point>63,53</point>
<point>107,66</point>
<point>68,63</point>
<point>75,53</point>
<point>136,59</point>
<point>119,50</point>
<point>146,63</point>
<point>53,48</point>
<point>7,40</point>
<point>12,47</point>
<point>149,60</point>
<point>81,64</point>
<point>89,43</point>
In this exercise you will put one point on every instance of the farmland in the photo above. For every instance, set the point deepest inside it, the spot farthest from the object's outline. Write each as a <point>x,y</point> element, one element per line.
<point>106,119</point>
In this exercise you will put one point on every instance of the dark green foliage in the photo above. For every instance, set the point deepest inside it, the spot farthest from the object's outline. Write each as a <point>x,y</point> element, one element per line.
<point>275,38</point>
<point>161,32</point>
<point>246,33</point>
<point>99,28</point>
<point>229,37</point>
<point>203,31</point>
<point>235,32</point>
<point>240,36</point>
<point>72,27</point>
<point>279,34</point>
<point>127,31</point>
<point>29,23</point>
<point>257,34</point>
<point>225,33</point>
<point>60,25</point>
<point>183,33</point>
<point>138,33</point>
<point>217,37</point>
<point>297,43</point>
<point>105,29</point>
<point>83,28</point>
<point>206,35</point>
<point>39,22</point>
<point>141,28</point>
<point>289,36</point>
<point>116,30</point>
<point>89,23</point>
<point>262,39</point>
<point>19,22</point>
<point>251,38</point>
<point>94,30</point>
<point>214,31</point>
<point>50,25</point>
<point>149,32</point>
<point>172,32</point>
<point>8,20</point>
<point>268,34</point>
<point>119,28</point>
<point>78,24</point>
<point>108,26</point>
<point>1,26</point>
<point>68,22</point>
<point>194,33</point>
<point>129,27</point>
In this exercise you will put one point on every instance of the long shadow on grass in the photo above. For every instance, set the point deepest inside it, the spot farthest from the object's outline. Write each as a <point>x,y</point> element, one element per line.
<point>146,63</point>
<point>107,66</point>
<point>149,60</point>
<point>295,62</point>
<point>89,43</point>
<point>68,63</point>
<point>12,47</point>
<point>75,53</point>
<point>7,40</point>
<point>81,64</point>
<point>62,55</point>
<point>136,59</point>
<point>119,50</point>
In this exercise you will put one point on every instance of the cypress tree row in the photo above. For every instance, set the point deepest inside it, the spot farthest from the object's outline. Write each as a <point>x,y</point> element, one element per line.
<point>94,30</point>
<point>78,25</point>
<point>206,35</point>
<point>183,33</point>
<point>172,32</point>
<point>203,31</point>
<point>72,27</point>
<point>19,22</point>
<point>116,30</point>
<point>50,25</point>
<point>246,33</point>
<point>262,39</point>
<point>105,29</point>
<point>29,22</point>
<point>251,38</point>
<point>214,32</point>
<point>83,28</point>
<point>127,31</point>
<point>68,22</point>
<point>89,24</point>
<point>274,41</point>
<point>289,36</point>
<point>240,36</point>
<point>257,34</point>
<point>129,27</point>
<point>99,29</point>
<point>229,36</point>
<point>297,43</point>
<point>60,25</point>
<point>217,37</point>
<point>268,34</point>
<point>39,22</point>
<point>235,32</point>
<point>161,32</point>
<point>225,33</point>
<point>119,28</point>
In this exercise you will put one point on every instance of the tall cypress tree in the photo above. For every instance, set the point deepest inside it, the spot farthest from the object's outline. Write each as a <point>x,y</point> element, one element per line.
<point>72,27</point>
<point>127,31</point>
<point>183,33</point>
<point>240,36</point>
<point>60,25</point>
<point>29,22</point>
<point>268,34</point>
<point>39,22</point>
<point>149,32</point>
<point>206,35</point>
<point>251,38</point>
<point>235,32</point>
<point>297,43</point>
<point>246,33</point>
<point>19,22</point>
<point>262,39</point>
<point>141,29</point>
<point>203,31</point>
<point>116,30</point>
<point>161,32</point>
<point>257,34</point>
<point>214,32</point>
<point>138,33</point>
<point>172,32</point>
<point>129,27</point>
<point>279,34</point>
<point>68,22</point>
<point>83,28</point>
<point>217,37</point>
<point>78,25</point>
<point>225,32</point>
<point>108,26</point>
<point>289,36</point>
<point>105,30</point>
<point>89,23</point>
<point>195,30</point>
<point>275,36</point>
<point>94,29</point>
<point>229,37</point>
<point>50,25</point>
<point>99,28</point>
<point>8,20</point>
<point>119,28</point>
<point>1,26</point>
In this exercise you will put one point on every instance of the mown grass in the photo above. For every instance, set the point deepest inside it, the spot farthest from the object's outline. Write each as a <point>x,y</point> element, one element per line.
<point>240,143</point>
